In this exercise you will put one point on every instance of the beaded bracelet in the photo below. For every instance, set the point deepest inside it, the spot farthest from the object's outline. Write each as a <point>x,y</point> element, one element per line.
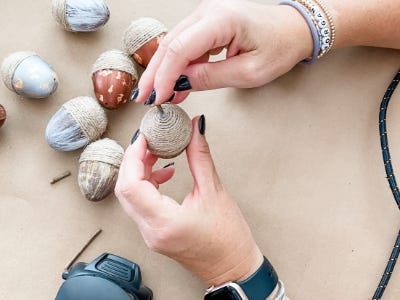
<point>320,23</point>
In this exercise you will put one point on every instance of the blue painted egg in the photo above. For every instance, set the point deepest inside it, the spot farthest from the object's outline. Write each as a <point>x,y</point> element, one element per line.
<point>81,15</point>
<point>28,75</point>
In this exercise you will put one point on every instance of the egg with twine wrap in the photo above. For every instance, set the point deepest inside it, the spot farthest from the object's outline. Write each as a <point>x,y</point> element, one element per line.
<point>114,76</point>
<point>3,115</point>
<point>78,122</point>
<point>28,75</point>
<point>98,169</point>
<point>80,15</point>
<point>168,130</point>
<point>142,38</point>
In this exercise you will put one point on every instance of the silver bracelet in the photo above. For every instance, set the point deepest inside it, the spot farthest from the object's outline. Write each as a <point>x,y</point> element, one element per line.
<point>281,291</point>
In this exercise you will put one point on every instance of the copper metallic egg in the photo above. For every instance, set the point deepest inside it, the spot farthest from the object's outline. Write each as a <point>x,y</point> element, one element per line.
<point>144,54</point>
<point>112,87</point>
<point>114,76</point>
<point>3,115</point>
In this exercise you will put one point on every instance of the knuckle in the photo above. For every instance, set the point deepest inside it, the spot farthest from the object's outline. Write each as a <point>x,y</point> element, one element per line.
<point>175,49</point>
<point>203,77</point>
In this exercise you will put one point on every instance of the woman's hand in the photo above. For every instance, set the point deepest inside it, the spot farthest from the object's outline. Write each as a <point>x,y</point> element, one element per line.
<point>207,233</point>
<point>262,42</point>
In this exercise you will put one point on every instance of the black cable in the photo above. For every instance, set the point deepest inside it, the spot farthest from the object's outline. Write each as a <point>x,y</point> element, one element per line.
<point>392,183</point>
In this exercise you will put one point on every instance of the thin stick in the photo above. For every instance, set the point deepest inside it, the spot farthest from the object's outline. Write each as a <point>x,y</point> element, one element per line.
<point>60,177</point>
<point>160,109</point>
<point>68,266</point>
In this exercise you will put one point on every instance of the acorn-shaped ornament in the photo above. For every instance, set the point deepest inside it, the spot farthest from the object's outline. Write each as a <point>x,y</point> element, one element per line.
<point>167,129</point>
<point>80,15</point>
<point>98,169</point>
<point>77,123</point>
<point>28,75</point>
<point>142,38</point>
<point>114,76</point>
<point>3,115</point>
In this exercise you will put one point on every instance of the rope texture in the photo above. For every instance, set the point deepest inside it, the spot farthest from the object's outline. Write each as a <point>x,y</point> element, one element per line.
<point>59,13</point>
<point>90,116</point>
<point>142,31</point>
<point>115,60</point>
<point>106,150</point>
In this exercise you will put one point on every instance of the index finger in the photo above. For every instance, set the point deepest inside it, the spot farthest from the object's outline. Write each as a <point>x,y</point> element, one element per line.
<point>187,46</point>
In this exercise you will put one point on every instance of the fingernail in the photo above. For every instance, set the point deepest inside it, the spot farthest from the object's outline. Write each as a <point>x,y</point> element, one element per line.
<point>182,84</point>
<point>169,165</point>
<point>135,136</point>
<point>134,95</point>
<point>171,98</point>
<point>152,98</point>
<point>202,124</point>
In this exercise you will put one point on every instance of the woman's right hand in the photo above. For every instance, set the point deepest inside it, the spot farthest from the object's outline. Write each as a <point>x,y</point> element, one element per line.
<point>263,42</point>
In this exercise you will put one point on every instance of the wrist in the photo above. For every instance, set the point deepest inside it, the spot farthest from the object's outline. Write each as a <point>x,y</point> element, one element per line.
<point>298,32</point>
<point>237,267</point>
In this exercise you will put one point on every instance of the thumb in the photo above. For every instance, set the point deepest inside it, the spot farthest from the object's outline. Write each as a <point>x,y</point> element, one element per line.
<point>237,71</point>
<point>199,157</point>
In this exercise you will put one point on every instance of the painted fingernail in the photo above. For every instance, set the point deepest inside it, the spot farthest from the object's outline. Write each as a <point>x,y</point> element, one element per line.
<point>169,165</point>
<point>152,98</point>
<point>202,124</point>
<point>171,98</point>
<point>134,95</point>
<point>135,136</point>
<point>182,84</point>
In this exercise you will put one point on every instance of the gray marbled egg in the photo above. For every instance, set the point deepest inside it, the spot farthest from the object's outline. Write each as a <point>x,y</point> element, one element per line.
<point>28,75</point>
<point>78,122</point>
<point>98,169</point>
<point>81,15</point>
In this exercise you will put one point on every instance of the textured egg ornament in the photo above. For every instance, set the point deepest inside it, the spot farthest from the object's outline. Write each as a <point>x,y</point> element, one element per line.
<point>78,122</point>
<point>142,38</point>
<point>114,76</point>
<point>28,75</point>
<point>167,133</point>
<point>98,169</point>
<point>81,15</point>
<point>3,115</point>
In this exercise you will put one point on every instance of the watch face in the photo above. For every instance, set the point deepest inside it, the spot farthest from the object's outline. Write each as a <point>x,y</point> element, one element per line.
<point>225,293</point>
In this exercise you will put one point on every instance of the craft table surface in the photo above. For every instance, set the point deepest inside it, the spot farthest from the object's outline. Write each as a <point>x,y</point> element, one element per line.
<point>301,155</point>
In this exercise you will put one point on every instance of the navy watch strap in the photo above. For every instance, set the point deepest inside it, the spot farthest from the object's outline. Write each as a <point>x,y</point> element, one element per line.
<point>262,283</point>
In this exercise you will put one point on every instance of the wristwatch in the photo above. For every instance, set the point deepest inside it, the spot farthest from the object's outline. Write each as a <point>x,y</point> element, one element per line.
<point>257,287</point>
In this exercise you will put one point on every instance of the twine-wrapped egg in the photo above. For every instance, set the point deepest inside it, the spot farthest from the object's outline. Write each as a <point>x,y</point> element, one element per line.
<point>78,122</point>
<point>114,76</point>
<point>98,169</point>
<point>3,115</point>
<point>80,15</point>
<point>28,75</point>
<point>167,133</point>
<point>142,38</point>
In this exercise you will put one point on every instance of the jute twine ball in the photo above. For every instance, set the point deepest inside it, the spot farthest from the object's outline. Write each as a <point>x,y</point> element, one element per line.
<point>98,168</point>
<point>3,115</point>
<point>77,123</point>
<point>168,133</point>
<point>142,31</point>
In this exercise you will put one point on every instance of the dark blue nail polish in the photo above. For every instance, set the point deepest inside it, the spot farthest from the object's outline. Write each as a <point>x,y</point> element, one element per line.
<point>135,136</point>
<point>202,124</point>
<point>152,98</point>
<point>134,95</point>
<point>169,165</point>
<point>182,84</point>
